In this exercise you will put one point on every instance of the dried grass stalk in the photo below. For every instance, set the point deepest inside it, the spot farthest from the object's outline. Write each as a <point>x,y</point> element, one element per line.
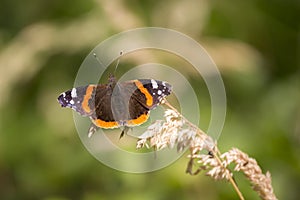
<point>261,183</point>
<point>177,131</point>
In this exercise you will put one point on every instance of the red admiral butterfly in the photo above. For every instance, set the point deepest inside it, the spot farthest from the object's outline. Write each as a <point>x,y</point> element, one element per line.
<point>116,104</point>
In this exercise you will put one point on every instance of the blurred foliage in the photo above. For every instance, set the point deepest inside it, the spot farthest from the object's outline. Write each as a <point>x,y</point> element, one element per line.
<point>42,44</point>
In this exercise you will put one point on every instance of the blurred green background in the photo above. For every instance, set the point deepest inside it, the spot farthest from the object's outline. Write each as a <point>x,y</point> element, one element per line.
<point>255,44</point>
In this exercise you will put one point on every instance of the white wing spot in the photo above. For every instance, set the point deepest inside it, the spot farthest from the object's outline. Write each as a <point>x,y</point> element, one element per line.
<point>74,93</point>
<point>64,94</point>
<point>164,83</point>
<point>159,92</point>
<point>154,84</point>
<point>72,102</point>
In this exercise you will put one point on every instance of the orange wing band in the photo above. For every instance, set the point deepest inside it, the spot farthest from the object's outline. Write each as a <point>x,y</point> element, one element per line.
<point>149,98</point>
<point>85,102</point>
<point>103,124</point>
<point>141,119</point>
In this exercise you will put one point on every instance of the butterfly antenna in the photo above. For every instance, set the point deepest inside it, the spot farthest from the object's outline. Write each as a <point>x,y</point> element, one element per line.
<point>118,61</point>
<point>97,58</point>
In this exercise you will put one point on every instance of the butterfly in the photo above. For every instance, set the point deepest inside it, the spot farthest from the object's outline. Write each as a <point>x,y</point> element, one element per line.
<point>116,104</point>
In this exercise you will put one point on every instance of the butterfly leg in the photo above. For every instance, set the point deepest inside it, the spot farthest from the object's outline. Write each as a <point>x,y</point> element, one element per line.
<point>124,131</point>
<point>93,128</point>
